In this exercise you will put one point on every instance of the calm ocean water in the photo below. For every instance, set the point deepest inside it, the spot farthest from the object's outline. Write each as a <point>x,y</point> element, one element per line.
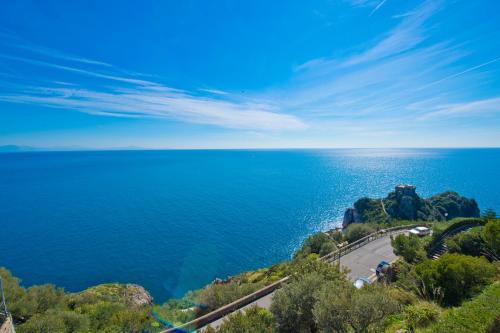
<point>175,220</point>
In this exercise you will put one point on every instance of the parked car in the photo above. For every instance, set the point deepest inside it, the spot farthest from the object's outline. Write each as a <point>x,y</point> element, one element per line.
<point>382,268</point>
<point>420,231</point>
<point>361,282</point>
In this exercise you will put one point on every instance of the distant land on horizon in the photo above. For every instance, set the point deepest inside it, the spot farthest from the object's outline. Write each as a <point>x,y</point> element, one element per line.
<point>23,148</point>
<point>19,148</point>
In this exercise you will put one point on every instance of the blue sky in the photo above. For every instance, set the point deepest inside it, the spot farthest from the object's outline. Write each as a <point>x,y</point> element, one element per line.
<point>240,74</point>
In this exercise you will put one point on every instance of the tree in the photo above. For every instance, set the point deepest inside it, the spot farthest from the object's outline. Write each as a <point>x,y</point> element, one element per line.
<point>337,236</point>
<point>54,321</point>
<point>342,308</point>
<point>489,214</point>
<point>455,277</point>
<point>332,308</point>
<point>292,305</point>
<point>491,236</point>
<point>319,243</point>
<point>405,278</point>
<point>43,323</point>
<point>14,295</point>
<point>469,243</point>
<point>408,247</point>
<point>44,297</point>
<point>357,231</point>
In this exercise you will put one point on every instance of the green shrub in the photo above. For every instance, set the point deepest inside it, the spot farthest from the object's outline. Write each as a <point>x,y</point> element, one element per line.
<point>292,305</point>
<point>409,247</point>
<point>454,277</point>
<point>491,235</point>
<point>357,231</point>
<point>327,248</point>
<point>253,320</point>
<point>469,243</point>
<point>43,323</point>
<point>342,308</point>
<point>402,296</point>
<point>478,315</point>
<point>420,315</point>
<point>216,295</point>
<point>489,214</point>
<point>405,278</point>
<point>47,309</point>
<point>319,243</point>
<point>337,236</point>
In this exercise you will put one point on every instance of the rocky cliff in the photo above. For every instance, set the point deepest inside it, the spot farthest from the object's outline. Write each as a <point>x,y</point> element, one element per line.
<point>405,204</point>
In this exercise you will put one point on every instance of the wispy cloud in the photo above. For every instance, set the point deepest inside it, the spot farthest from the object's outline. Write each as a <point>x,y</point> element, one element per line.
<point>171,104</point>
<point>398,16</point>
<point>478,107</point>
<point>449,77</point>
<point>13,40</point>
<point>121,93</point>
<point>60,55</point>
<point>214,91</point>
<point>381,3</point>
<point>86,72</point>
<point>375,4</point>
<point>113,93</point>
<point>381,86</point>
<point>362,3</point>
<point>408,34</point>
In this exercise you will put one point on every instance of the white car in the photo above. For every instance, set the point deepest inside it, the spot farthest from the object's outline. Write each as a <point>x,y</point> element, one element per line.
<point>361,282</point>
<point>420,231</point>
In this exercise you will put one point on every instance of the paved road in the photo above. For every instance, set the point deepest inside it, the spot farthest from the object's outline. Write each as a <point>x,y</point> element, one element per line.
<point>361,262</point>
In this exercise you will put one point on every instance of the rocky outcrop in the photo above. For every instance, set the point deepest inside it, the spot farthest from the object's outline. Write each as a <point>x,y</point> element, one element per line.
<point>137,295</point>
<point>130,294</point>
<point>351,216</point>
<point>452,204</point>
<point>405,204</point>
<point>222,281</point>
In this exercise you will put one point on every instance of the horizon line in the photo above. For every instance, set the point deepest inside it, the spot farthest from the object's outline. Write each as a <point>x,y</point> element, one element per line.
<point>33,149</point>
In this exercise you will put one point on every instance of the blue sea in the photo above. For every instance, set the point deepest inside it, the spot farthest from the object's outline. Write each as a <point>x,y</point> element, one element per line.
<point>174,220</point>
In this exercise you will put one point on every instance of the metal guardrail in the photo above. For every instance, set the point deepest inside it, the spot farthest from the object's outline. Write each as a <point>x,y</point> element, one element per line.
<point>452,230</point>
<point>6,323</point>
<point>4,313</point>
<point>336,255</point>
<point>227,309</point>
<point>239,303</point>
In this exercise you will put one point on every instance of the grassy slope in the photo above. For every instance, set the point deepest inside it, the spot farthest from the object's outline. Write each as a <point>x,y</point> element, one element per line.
<point>476,315</point>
